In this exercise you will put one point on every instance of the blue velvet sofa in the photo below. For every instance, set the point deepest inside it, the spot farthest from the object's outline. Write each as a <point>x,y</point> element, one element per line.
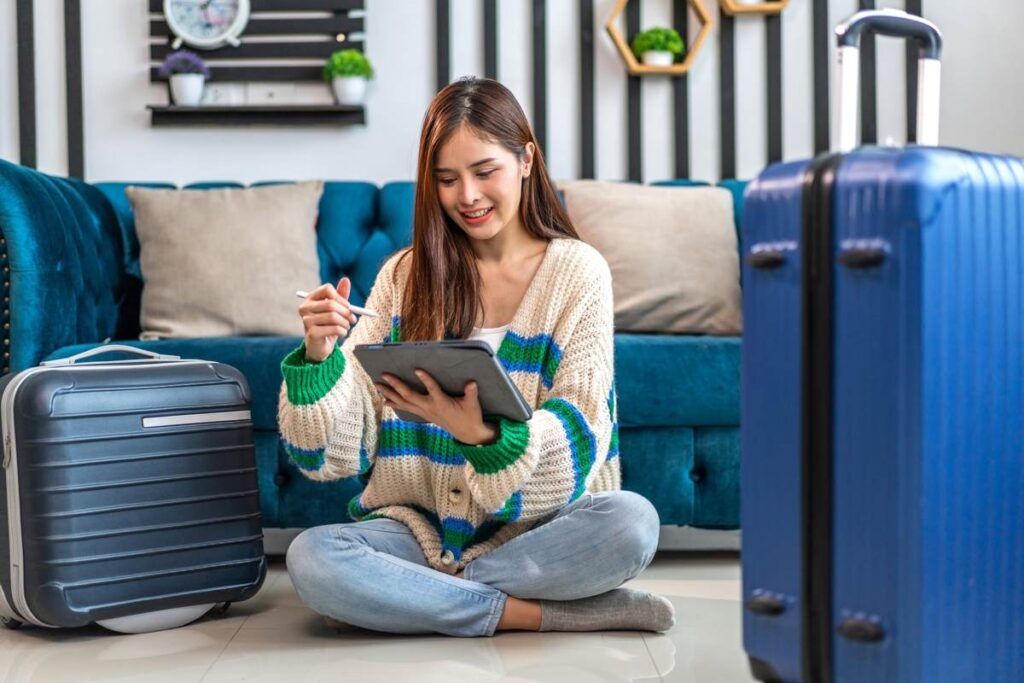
<point>72,281</point>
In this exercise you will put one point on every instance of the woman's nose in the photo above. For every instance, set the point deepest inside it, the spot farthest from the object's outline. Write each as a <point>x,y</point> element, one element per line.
<point>468,193</point>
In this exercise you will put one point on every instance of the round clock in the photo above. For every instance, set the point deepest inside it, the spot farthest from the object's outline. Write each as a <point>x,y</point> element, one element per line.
<point>206,24</point>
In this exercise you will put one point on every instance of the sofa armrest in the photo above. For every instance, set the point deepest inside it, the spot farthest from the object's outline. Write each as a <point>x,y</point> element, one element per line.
<point>63,275</point>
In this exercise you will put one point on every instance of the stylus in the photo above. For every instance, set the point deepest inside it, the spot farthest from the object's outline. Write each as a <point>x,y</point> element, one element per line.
<point>355,309</point>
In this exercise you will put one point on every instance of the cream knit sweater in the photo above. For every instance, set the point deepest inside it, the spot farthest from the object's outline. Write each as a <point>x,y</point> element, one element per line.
<point>459,500</point>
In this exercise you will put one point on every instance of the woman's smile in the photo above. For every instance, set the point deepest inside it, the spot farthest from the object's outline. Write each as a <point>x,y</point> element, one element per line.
<point>478,216</point>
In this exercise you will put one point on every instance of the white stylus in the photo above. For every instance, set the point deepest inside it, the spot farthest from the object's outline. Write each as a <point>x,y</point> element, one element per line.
<point>355,309</point>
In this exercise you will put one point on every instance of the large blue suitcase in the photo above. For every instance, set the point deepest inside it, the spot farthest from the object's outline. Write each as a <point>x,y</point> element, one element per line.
<point>128,493</point>
<point>883,451</point>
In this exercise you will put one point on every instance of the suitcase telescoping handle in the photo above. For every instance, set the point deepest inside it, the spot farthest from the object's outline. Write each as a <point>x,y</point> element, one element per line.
<point>899,24</point>
<point>71,360</point>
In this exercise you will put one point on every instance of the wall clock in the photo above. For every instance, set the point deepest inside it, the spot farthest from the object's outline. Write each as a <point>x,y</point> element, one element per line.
<point>206,24</point>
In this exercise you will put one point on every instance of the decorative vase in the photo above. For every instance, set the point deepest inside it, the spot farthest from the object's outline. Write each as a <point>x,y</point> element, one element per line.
<point>658,58</point>
<point>187,89</point>
<point>350,90</point>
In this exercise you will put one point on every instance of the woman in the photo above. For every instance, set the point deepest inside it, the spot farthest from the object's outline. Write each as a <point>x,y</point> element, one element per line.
<point>467,527</point>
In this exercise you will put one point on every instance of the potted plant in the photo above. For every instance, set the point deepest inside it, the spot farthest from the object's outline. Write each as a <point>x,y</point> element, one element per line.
<point>658,46</point>
<point>187,73</point>
<point>347,71</point>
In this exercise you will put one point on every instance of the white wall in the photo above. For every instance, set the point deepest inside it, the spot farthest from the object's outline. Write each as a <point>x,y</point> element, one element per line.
<point>982,102</point>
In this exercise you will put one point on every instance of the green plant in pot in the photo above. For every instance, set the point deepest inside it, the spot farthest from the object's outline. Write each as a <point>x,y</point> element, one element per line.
<point>658,46</point>
<point>347,72</point>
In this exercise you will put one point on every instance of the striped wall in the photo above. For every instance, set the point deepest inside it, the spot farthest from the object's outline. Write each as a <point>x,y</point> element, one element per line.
<point>757,92</point>
<point>769,36</point>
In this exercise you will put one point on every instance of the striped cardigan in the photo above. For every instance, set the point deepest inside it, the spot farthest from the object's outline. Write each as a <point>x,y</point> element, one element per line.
<point>459,500</point>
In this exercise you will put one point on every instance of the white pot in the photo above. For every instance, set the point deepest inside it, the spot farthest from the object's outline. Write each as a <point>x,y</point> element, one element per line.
<point>187,89</point>
<point>349,90</point>
<point>658,58</point>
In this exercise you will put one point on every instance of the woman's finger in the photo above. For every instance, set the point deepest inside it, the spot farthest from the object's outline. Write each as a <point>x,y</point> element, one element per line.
<point>401,388</point>
<point>429,382</point>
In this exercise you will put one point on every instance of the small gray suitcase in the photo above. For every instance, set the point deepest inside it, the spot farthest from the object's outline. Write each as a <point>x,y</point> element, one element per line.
<point>128,493</point>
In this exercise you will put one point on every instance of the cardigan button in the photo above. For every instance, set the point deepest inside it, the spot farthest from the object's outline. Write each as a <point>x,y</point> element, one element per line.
<point>455,495</point>
<point>447,557</point>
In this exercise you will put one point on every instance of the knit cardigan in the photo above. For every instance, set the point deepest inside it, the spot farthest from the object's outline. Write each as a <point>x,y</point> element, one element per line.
<point>459,500</point>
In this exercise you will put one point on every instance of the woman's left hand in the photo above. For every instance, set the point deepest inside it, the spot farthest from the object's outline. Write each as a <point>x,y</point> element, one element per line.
<point>459,416</point>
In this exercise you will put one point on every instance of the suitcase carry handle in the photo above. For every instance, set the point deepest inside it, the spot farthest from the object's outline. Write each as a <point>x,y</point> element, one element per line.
<point>899,24</point>
<point>107,349</point>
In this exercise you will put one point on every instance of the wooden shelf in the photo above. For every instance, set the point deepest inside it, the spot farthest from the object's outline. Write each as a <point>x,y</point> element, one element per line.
<point>258,115</point>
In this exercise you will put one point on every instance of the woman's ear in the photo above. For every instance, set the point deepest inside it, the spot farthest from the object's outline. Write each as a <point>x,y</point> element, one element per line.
<point>528,159</point>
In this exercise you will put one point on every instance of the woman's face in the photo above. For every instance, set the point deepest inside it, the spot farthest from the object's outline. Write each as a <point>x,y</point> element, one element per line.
<point>480,183</point>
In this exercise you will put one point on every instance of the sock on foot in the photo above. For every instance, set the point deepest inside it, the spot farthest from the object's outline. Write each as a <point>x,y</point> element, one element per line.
<point>621,609</point>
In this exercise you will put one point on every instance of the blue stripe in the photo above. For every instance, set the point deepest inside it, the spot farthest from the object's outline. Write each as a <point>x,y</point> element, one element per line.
<point>578,475</point>
<point>305,456</point>
<point>436,458</point>
<point>512,509</point>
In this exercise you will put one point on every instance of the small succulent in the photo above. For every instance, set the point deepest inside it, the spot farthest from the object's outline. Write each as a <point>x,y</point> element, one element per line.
<point>658,38</point>
<point>347,63</point>
<point>183,62</point>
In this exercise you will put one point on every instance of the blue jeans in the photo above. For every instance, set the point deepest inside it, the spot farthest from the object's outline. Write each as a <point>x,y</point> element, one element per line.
<point>373,574</point>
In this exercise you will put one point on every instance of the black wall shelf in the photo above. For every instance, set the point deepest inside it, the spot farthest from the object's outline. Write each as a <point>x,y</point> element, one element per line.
<point>324,27</point>
<point>265,115</point>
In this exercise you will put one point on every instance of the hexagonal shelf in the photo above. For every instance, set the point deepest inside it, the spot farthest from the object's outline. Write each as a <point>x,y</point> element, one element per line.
<point>738,7</point>
<point>638,69</point>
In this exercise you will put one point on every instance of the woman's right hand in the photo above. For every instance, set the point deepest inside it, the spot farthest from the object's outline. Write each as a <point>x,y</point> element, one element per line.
<point>327,318</point>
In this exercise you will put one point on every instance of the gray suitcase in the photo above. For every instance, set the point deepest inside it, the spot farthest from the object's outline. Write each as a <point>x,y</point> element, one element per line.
<point>128,493</point>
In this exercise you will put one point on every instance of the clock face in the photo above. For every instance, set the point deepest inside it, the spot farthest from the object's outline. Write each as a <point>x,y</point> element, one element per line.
<point>203,21</point>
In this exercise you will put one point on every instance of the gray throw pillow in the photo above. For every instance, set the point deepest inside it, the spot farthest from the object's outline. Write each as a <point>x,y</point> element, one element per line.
<point>226,262</point>
<point>672,252</point>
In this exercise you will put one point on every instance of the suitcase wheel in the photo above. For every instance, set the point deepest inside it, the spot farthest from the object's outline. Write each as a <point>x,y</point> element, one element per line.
<point>11,623</point>
<point>219,609</point>
<point>763,671</point>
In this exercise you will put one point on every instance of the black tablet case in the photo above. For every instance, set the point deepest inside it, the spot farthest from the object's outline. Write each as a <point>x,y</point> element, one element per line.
<point>452,363</point>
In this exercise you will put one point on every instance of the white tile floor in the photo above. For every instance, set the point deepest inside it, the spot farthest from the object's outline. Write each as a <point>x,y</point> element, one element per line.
<point>273,637</point>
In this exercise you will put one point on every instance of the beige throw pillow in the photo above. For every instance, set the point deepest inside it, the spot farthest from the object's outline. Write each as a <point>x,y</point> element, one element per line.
<point>671,250</point>
<point>226,262</point>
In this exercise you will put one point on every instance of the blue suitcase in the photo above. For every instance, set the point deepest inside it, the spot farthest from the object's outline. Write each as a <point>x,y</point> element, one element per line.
<point>128,493</point>
<point>883,450</point>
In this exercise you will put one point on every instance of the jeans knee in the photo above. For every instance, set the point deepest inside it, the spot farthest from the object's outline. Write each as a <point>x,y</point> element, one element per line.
<point>642,526</point>
<point>303,557</point>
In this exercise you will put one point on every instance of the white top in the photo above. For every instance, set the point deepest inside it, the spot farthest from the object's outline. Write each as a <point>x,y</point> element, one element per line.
<point>491,335</point>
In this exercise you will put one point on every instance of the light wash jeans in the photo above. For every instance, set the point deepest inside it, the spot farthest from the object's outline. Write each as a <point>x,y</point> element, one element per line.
<point>373,574</point>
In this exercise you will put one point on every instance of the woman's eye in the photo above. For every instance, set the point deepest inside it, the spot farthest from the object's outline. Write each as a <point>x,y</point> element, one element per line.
<point>447,181</point>
<point>485,174</point>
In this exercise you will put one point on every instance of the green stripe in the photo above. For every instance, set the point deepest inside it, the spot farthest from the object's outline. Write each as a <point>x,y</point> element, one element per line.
<point>493,458</point>
<point>438,443</point>
<point>307,381</point>
<point>533,352</point>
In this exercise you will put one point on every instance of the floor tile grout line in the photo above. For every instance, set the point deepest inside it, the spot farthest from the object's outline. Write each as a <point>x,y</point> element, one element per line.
<point>235,635</point>
<point>643,639</point>
<point>221,653</point>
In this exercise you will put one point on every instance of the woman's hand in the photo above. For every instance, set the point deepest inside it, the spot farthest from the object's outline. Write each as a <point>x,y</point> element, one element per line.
<point>459,416</point>
<point>326,317</point>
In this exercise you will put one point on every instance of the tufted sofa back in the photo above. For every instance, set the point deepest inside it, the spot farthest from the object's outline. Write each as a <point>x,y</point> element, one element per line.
<point>70,255</point>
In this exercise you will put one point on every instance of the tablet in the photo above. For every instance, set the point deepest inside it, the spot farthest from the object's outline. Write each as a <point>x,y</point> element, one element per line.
<point>452,363</point>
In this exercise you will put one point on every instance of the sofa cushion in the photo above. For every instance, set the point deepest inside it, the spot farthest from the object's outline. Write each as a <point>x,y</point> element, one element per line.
<point>670,380</point>
<point>691,475</point>
<point>672,253</point>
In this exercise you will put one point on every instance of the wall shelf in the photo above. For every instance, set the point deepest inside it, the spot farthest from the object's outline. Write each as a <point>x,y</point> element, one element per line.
<point>267,115</point>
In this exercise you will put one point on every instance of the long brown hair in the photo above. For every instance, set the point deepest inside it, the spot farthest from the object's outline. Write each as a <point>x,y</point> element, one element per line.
<point>442,292</point>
